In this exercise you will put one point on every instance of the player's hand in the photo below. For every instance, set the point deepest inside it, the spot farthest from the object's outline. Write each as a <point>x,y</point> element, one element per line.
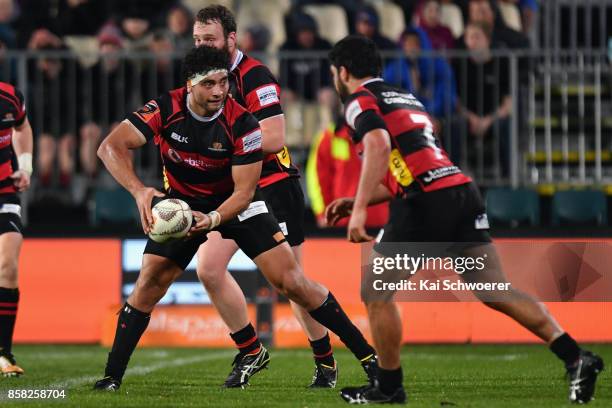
<point>356,228</point>
<point>338,209</point>
<point>143,198</point>
<point>21,180</point>
<point>202,223</point>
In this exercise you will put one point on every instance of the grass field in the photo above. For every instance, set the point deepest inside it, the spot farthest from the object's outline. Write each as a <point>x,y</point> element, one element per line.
<point>462,375</point>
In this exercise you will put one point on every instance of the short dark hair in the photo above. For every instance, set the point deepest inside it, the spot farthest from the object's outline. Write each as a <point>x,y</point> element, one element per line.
<point>358,54</point>
<point>219,13</point>
<point>204,58</point>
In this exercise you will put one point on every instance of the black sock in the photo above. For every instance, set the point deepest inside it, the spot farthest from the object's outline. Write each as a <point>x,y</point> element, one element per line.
<point>9,298</point>
<point>246,339</point>
<point>390,380</point>
<point>566,348</point>
<point>331,315</point>
<point>130,326</point>
<point>322,351</point>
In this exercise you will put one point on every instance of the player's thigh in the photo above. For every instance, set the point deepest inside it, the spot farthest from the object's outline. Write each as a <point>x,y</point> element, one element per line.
<point>214,255</point>
<point>279,267</point>
<point>157,271</point>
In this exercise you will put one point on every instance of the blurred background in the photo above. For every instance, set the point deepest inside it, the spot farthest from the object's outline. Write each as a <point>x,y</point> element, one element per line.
<point>520,91</point>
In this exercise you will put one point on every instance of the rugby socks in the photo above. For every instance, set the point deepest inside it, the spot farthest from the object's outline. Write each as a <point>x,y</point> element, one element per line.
<point>322,351</point>
<point>9,298</point>
<point>390,380</point>
<point>566,348</point>
<point>331,315</point>
<point>246,340</point>
<point>130,326</point>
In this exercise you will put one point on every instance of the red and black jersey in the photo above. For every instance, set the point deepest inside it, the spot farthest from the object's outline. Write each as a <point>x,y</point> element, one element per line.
<point>417,162</point>
<point>198,152</point>
<point>254,87</point>
<point>12,114</point>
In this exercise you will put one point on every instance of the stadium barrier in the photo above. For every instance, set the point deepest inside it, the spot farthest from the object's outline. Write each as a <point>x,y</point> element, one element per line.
<point>71,291</point>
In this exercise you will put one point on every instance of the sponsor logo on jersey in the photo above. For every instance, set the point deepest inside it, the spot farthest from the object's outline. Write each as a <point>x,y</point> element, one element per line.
<point>267,95</point>
<point>436,174</point>
<point>399,168</point>
<point>179,138</point>
<point>351,112</point>
<point>392,97</point>
<point>147,112</point>
<point>252,141</point>
<point>174,156</point>
<point>5,138</point>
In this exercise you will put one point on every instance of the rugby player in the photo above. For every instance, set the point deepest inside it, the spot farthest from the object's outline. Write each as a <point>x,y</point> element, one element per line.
<point>431,201</point>
<point>211,153</point>
<point>254,87</point>
<point>15,171</point>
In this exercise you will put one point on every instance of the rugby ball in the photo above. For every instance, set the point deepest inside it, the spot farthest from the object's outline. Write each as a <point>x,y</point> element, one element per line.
<point>171,220</point>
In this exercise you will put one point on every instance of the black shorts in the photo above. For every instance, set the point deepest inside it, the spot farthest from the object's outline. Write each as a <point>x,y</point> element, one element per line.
<point>10,210</point>
<point>452,215</point>
<point>255,232</point>
<point>286,200</point>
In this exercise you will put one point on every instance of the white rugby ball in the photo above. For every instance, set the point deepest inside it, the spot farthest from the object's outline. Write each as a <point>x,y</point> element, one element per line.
<point>171,220</point>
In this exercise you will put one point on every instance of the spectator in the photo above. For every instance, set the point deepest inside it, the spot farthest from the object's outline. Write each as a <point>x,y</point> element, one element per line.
<point>502,36</point>
<point>61,17</point>
<point>333,172</point>
<point>483,83</point>
<point>430,79</point>
<point>367,24</point>
<point>165,73</point>
<point>306,76</point>
<point>255,38</point>
<point>178,28</point>
<point>429,21</point>
<point>106,96</point>
<point>52,96</point>
<point>135,29</point>
<point>8,40</point>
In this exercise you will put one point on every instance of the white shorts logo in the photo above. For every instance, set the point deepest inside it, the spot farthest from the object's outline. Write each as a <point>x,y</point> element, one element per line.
<point>283,227</point>
<point>252,141</point>
<point>255,208</point>
<point>482,222</point>
<point>267,95</point>
<point>10,209</point>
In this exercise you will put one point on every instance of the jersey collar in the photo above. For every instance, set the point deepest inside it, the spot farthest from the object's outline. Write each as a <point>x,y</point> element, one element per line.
<point>369,81</point>
<point>204,118</point>
<point>239,56</point>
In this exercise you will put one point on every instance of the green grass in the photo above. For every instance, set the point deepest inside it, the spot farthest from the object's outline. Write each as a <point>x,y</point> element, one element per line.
<point>434,376</point>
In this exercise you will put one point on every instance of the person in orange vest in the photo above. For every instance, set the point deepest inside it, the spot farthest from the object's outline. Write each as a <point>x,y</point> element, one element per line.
<point>333,171</point>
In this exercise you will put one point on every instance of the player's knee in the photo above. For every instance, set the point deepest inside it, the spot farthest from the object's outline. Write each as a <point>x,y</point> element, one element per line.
<point>212,278</point>
<point>294,286</point>
<point>8,270</point>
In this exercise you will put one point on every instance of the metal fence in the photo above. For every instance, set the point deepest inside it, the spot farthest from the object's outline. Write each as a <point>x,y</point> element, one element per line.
<point>558,130</point>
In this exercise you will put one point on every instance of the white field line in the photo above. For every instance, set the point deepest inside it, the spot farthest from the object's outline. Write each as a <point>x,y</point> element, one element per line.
<point>142,370</point>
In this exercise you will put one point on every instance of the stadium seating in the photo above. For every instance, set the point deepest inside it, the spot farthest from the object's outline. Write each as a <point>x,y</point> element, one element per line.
<point>196,5</point>
<point>579,207</point>
<point>331,21</point>
<point>267,12</point>
<point>450,16</point>
<point>392,22</point>
<point>113,205</point>
<point>513,206</point>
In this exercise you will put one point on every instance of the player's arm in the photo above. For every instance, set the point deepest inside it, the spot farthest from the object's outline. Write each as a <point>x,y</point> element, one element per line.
<point>245,178</point>
<point>343,207</point>
<point>22,144</point>
<point>273,130</point>
<point>377,147</point>
<point>115,153</point>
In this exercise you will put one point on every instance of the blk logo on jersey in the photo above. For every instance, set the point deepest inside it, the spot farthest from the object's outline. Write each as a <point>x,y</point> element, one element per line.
<point>179,138</point>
